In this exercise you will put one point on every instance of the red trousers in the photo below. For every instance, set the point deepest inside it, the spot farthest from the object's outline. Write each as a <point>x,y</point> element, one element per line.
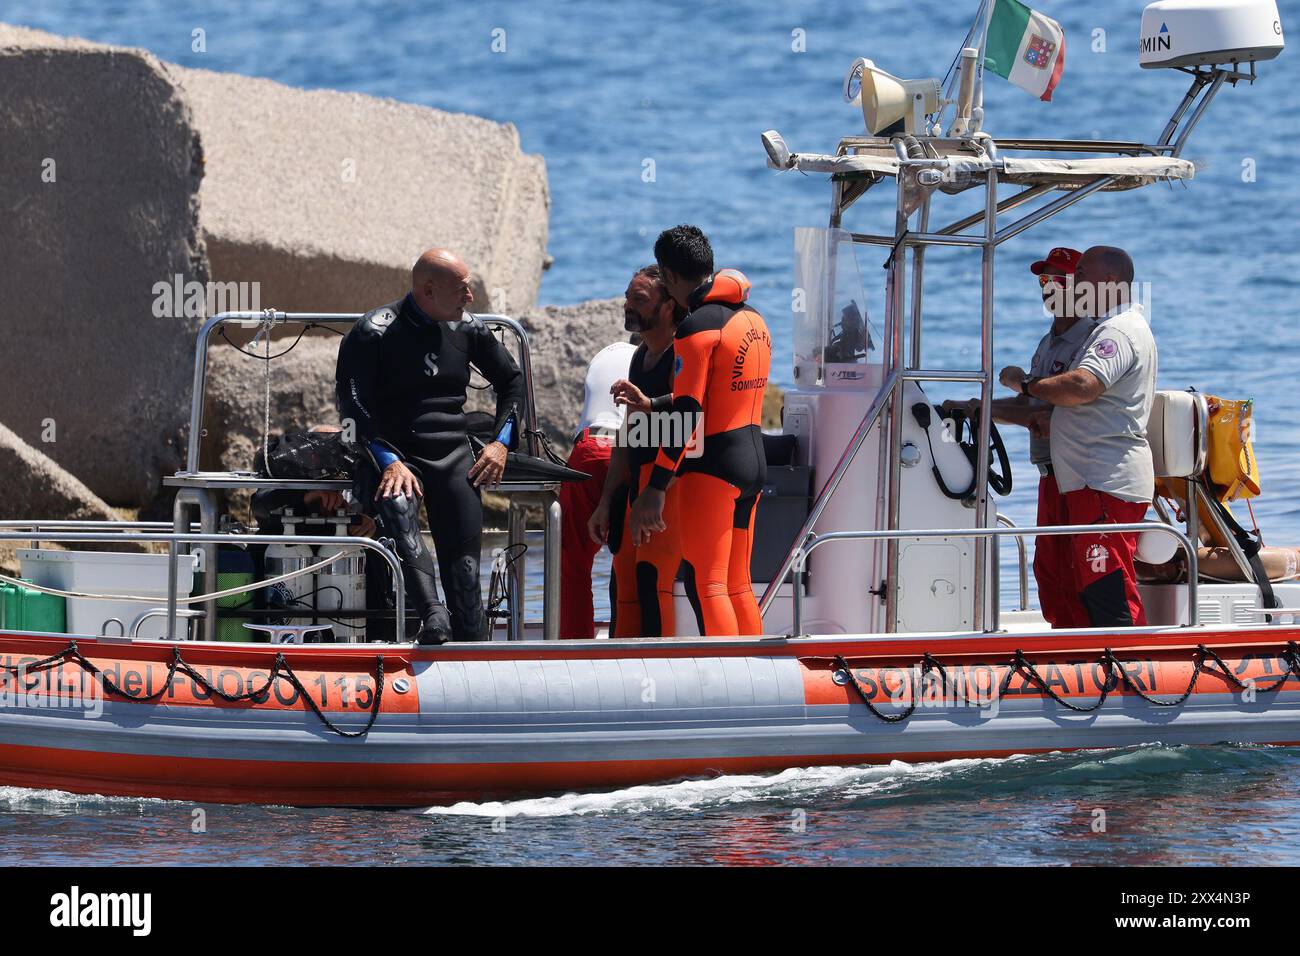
<point>578,499</point>
<point>1087,580</point>
<point>1053,569</point>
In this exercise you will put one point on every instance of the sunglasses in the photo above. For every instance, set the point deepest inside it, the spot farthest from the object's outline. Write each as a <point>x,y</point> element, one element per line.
<point>1045,280</point>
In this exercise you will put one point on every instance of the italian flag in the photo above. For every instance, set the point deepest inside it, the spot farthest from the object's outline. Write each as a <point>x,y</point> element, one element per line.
<point>1025,47</point>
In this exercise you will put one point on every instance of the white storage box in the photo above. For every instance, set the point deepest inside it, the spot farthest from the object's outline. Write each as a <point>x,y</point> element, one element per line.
<point>110,572</point>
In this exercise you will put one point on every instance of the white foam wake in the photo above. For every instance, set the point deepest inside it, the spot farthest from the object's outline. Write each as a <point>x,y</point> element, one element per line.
<point>800,783</point>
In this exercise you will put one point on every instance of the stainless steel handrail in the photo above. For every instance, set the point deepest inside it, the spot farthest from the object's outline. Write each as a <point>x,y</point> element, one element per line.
<point>59,524</point>
<point>812,542</point>
<point>173,539</point>
<point>1024,563</point>
<point>525,366</point>
<point>341,319</point>
<point>153,612</point>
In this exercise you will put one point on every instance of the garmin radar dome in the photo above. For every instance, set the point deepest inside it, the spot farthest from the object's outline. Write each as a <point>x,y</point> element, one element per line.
<point>1183,34</point>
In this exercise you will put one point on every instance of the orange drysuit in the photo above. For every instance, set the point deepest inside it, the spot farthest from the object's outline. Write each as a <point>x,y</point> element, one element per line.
<point>723,357</point>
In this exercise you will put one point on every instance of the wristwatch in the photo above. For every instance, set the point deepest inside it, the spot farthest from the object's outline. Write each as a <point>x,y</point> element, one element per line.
<point>1027,381</point>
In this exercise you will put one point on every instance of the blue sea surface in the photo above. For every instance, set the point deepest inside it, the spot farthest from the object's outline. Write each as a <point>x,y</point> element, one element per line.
<point>611,91</point>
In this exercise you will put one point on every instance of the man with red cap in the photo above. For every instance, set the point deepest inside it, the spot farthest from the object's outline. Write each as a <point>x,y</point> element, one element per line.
<point>1057,349</point>
<point>1102,463</point>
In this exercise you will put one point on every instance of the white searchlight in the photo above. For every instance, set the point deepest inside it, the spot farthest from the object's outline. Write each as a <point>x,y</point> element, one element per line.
<point>1182,34</point>
<point>889,104</point>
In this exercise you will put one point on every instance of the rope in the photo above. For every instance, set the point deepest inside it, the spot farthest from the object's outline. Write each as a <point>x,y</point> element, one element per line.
<point>498,591</point>
<point>545,444</point>
<point>191,599</point>
<point>928,664</point>
<point>1112,667</point>
<point>268,323</point>
<point>177,664</point>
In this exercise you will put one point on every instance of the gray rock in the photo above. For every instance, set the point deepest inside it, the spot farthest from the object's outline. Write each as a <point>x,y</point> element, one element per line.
<point>99,179</point>
<point>162,171</point>
<point>36,487</point>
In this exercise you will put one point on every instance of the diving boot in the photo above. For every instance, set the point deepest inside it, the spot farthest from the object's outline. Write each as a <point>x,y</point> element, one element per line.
<point>437,626</point>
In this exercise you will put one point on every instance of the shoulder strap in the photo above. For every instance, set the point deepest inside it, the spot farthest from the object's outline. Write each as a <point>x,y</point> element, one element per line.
<point>1250,545</point>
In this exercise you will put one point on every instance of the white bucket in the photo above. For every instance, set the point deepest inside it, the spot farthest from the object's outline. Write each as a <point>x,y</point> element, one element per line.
<point>109,572</point>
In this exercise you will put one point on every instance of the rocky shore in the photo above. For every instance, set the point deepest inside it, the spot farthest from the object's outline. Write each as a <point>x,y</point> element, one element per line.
<point>143,196</point>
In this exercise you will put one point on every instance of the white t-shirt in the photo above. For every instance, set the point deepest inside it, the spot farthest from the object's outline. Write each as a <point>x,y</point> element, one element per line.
<point>1103,445</point>
<point>598,409</point>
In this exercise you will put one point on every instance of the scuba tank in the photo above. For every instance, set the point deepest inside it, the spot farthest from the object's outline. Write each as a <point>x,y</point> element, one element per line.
<point>341,585</point>
<point>234,569</point>
<point>282,558</point>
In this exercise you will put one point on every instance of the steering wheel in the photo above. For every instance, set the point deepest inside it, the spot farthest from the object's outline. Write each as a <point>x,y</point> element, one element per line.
<point>1000,479</point>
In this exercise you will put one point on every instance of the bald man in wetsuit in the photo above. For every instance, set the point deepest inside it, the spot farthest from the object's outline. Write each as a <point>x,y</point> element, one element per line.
<point>723,354</point>
<point>402,374</point>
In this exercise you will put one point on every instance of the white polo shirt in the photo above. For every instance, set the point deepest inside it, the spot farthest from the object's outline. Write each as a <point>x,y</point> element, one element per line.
<point>598,409</point>
<point>1055,354</point>
<point>1103,445</point>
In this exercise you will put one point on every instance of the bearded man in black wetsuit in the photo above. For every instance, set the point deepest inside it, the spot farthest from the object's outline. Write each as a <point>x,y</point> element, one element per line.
<point>402,374</point>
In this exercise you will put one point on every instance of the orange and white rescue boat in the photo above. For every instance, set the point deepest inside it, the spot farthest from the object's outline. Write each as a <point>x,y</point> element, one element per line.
<point>882,593</point>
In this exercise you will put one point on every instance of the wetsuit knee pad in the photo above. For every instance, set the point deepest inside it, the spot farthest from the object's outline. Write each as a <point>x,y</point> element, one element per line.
<point>465,598</point>
<point>401,518</point>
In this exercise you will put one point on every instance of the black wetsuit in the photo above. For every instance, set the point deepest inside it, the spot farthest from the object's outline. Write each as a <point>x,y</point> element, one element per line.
<point>654,565</point>
<point>402,379</point>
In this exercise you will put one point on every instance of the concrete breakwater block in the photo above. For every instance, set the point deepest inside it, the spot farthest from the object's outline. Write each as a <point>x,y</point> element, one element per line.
<point>36,487</point>
<point>99,180</point>
<point>123,175</point>
<point>326,198</point>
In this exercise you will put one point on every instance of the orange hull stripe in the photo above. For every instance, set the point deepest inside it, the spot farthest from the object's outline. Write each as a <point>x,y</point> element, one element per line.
<point>892,683</point>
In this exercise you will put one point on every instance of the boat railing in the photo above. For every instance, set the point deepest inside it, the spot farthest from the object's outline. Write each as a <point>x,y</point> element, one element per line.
<point>814,541</point>
<point>1023,556</point>
<point>174,539</point>
<point>196,486</point>
<point>269,318</point>
<point>72,524</point>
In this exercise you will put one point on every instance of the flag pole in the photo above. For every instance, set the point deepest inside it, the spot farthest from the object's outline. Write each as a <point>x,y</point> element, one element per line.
<point>986,13</point>
<point>954,82</point>
<point>970,35</point>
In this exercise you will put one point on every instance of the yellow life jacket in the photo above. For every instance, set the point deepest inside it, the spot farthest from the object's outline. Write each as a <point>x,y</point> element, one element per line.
<point>1232,466</point>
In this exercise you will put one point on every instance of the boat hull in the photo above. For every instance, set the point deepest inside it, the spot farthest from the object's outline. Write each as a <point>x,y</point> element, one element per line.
<point>473,722</point>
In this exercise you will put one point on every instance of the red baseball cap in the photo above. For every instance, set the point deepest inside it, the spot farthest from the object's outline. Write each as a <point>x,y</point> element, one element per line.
<point>1059,258</point>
